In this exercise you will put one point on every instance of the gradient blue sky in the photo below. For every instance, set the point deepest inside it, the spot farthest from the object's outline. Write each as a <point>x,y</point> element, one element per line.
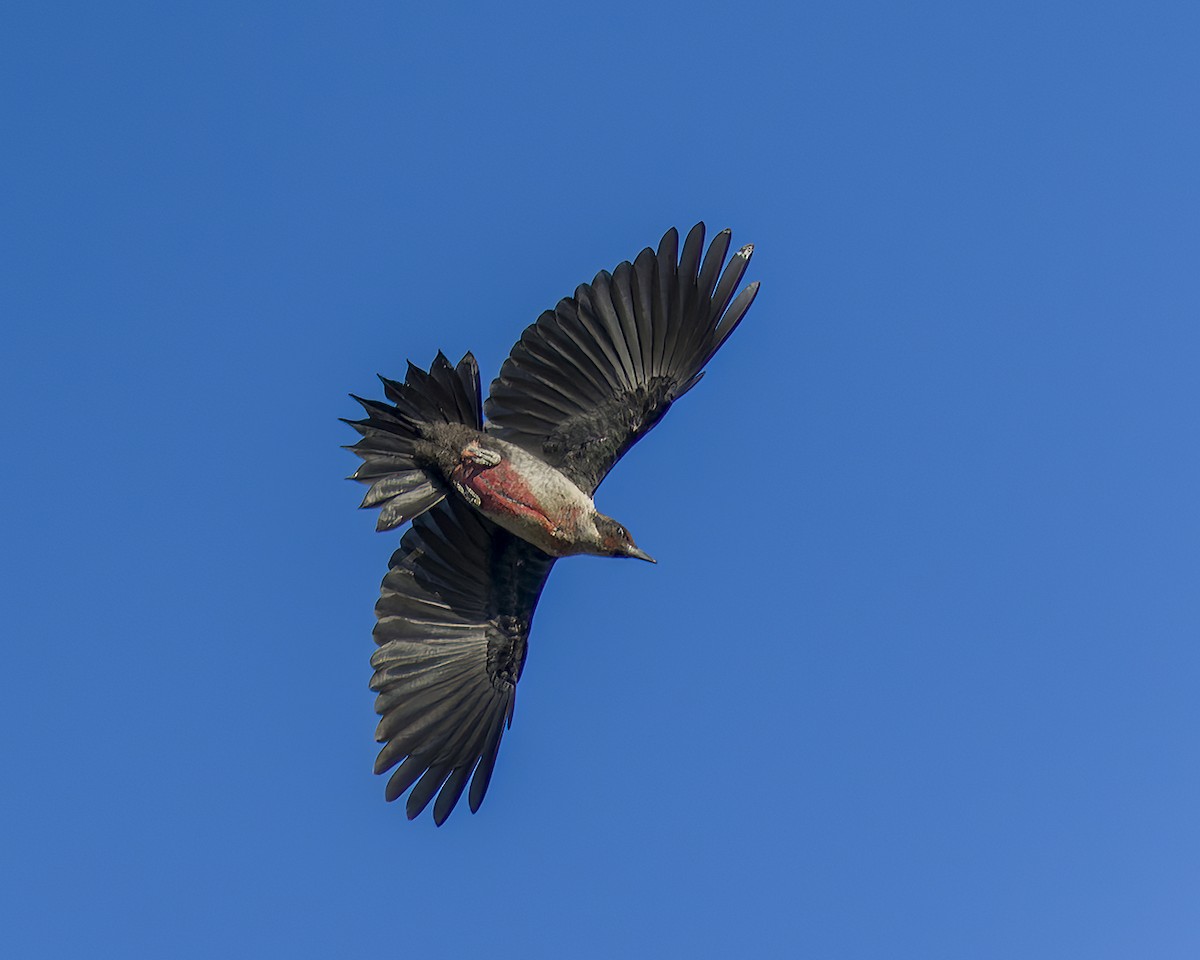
<point>917,673</point>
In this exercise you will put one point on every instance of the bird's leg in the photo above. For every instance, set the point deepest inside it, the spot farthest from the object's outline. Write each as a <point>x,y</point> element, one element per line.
<point>467,493</point>
<point>480,456</point>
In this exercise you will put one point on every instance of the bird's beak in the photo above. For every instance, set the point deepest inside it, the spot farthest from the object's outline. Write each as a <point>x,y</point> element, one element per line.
<point>640,554</point>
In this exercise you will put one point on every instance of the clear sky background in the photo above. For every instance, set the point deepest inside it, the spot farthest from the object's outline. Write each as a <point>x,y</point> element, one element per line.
<point>917,673</point>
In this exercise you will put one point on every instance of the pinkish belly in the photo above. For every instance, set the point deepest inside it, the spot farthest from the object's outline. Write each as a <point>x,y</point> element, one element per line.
<point>505,497</point>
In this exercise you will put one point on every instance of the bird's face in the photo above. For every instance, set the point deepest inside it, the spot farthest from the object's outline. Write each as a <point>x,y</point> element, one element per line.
<point>615,540</point>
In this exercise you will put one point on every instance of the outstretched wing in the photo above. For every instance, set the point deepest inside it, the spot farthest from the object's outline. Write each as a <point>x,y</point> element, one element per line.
<point>453,623</point>
<point>595,374</point>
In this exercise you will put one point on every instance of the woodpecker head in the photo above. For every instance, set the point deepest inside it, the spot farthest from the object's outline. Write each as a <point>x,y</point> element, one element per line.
<point>615,540</point>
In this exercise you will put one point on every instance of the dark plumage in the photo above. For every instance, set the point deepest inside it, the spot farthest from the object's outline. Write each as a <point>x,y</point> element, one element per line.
<point>494,504</point>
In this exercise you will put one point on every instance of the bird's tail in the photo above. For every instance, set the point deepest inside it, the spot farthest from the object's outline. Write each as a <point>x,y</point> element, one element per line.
<point>401,480</point>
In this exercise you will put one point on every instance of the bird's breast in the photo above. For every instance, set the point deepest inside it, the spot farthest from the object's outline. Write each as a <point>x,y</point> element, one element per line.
<point>527,498</point>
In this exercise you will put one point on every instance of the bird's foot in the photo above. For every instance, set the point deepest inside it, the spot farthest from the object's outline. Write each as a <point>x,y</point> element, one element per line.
<point>473,498</point>
<point>481,456</point>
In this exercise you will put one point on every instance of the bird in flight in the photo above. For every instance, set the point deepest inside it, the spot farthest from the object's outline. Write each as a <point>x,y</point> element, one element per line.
<point>494,504</point>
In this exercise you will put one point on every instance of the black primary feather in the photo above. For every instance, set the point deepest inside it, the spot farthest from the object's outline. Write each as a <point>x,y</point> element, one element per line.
<point>611,360</point>
<point>453,625</point>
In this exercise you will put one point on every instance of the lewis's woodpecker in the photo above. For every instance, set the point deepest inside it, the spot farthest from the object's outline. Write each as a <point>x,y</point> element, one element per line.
<point>495,504</point>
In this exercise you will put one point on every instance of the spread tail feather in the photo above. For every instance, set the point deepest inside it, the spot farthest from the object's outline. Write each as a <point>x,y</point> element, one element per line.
<point>400,481</point>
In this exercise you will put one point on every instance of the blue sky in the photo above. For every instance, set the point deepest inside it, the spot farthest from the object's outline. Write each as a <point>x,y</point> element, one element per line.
<point>916,674</point>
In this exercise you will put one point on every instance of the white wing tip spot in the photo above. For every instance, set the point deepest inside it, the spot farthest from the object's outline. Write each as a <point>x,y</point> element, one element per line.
<point>746,251</point>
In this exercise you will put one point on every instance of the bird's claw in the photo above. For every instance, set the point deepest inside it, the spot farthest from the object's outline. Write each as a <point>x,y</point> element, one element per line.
<point>474,453</point>
<point>468,494</point>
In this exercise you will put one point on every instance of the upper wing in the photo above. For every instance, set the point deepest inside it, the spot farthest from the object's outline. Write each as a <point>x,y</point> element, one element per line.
<point>596,373</point>
<point>454,619</point>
